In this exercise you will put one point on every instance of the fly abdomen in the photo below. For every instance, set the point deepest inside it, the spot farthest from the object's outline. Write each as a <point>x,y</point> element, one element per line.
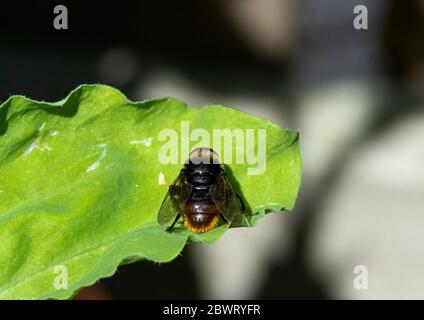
<point>200,215</point>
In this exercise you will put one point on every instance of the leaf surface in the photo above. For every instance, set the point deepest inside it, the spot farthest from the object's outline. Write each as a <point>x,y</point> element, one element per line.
<point>81,184</point>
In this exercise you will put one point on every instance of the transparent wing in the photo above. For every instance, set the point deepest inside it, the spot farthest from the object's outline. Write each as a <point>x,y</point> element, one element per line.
<point>227,201</point>
<point>167,211</point>
<point>175,199</point>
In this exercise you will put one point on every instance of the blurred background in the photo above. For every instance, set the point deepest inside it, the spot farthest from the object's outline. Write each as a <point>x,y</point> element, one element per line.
<point>356,96</point>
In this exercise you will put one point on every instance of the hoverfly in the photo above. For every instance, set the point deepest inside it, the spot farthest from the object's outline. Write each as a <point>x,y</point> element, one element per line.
<point>201,194</point>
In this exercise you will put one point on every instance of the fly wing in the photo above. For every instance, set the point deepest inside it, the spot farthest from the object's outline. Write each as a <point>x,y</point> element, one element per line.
<point>167,210</point>
<point>175,199</point>
<point>228,202</point>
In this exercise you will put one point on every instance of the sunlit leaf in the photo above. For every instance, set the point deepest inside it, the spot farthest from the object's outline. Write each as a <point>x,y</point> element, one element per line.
<point>80,185</point>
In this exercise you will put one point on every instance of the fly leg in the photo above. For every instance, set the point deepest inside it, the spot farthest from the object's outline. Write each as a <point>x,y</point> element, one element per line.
<point>243,207</point>
<point>223,218</point>
<point>169,229</point>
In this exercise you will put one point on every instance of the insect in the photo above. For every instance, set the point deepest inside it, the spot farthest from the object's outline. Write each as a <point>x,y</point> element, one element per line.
<point>201,194</point>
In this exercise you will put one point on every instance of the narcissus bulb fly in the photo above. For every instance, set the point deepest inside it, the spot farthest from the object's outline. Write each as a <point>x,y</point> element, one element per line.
<point>201,195</point>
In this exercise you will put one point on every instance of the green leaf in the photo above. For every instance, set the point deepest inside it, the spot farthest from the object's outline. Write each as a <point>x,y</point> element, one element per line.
<point>79,185</point>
